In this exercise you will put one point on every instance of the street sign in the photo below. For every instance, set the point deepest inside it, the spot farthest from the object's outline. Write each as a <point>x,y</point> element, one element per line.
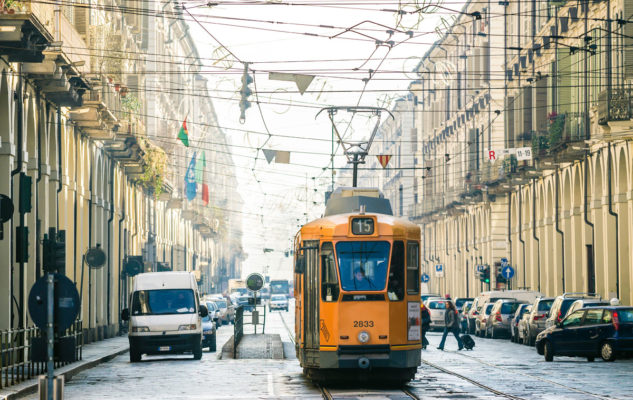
<point>255,282</point>
<point>425,278</point>
<point>504,262</point>
<point>66,303</point>
<point>439,270</point>
<point>507,272</point>
<point>95,257</point>
<point>480,267</point>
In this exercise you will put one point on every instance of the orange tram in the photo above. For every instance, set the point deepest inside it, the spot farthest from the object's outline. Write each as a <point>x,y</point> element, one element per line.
<point>357,291</point>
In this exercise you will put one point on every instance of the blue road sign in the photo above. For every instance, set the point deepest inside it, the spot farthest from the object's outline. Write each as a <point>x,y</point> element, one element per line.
<point>438,267</point>
<point>507,272</point>
<point>425,278</point>
<point>504,262</point>
<point>480,267</point>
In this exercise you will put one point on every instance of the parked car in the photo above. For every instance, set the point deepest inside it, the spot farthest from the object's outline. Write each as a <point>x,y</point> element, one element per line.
<point>522,327</point>
<point>516,319</point>
<point>584,303</point>
<point>214,312</point>
<point>278,302</point>
<point>498,322</point>
<point>561,304</point>
<point>424,297</point>
<point>475,309</point>
<point>463,316</point>
<point>437,308</point>
<point>223,307</point>
<point>605,331</point>
<point>460,301</point>
<point>482,317</point>
<point>208,333</point>
<point>535,323</point>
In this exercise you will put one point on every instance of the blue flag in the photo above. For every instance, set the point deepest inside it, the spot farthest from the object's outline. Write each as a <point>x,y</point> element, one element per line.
<point>190,179</point>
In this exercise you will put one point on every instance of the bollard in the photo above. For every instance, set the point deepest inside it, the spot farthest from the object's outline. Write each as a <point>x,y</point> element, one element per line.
<point>58,387</point>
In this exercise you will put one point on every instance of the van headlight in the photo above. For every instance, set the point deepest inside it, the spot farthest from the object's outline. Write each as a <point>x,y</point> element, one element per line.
<point>363,337</point>
<point>188,327</point>
<point>140,329</point>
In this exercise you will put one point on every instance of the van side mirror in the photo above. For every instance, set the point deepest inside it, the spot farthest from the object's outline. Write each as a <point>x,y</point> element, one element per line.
<point>125,314</point>
<point>203,311</point>
<point>300,264</point>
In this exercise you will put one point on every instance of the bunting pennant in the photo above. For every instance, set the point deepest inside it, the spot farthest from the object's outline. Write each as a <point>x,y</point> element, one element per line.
<point>200,166</point>
<point>183,135</point>
<point>269,154</point>
<point>384,160</point>
<point>282,157</point>
<point>190,179</point>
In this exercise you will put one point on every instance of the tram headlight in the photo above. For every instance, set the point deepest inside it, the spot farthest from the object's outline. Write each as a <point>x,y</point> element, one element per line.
<point>363,337</point>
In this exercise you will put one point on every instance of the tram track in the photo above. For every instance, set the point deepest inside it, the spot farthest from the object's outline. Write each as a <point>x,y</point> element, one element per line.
<point>572,389</point>
<point>328,394</point>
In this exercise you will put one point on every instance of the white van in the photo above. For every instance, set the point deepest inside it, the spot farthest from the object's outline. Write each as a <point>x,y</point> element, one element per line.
<point>165,315</point>
<point>523,296</point>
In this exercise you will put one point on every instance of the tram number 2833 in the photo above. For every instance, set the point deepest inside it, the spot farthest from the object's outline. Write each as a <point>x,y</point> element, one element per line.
<point>363,324</point>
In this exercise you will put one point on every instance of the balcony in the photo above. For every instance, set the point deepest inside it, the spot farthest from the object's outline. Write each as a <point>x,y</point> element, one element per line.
<point>26,30</point>
<point>563,141</point>
<point>616,111</point>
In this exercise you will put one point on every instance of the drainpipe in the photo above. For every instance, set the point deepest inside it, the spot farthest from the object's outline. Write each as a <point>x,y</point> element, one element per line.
<point>75,210</point>
<point>521,231</point>
<point>18,98</point>
<point>120,257</point>
<point>558,230</point>
<point>617,231</point>
<point>90,180</point>
<point>109,286</point>
<point>59,161</point>
<point>586,209</point>
<point>38,229</point>
<point>510,225</point>
<point>538,242</point>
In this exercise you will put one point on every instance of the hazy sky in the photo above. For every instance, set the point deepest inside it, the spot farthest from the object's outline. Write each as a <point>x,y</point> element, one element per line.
<point>312,40</point>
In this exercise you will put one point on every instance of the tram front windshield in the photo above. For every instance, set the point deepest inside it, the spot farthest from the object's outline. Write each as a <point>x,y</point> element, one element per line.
<point>363,265</point>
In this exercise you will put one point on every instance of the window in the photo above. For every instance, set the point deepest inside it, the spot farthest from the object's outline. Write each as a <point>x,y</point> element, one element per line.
<point>574,319</point>
<point>329,280</point>
<point>593,317</point>
<point>395,289</point>
<point>413,267</point>
<point>165,301</point>
<point>509,308</point>
<point>363,265</point>
<point>545,305</point>
<point>607,318</point>
<point>437,305</point>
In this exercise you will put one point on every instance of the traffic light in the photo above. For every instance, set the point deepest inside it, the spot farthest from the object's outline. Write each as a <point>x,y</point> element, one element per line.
<point>500,277</point>
<point>245,92</point>
<point>484,275</point>
<point>54,252</point>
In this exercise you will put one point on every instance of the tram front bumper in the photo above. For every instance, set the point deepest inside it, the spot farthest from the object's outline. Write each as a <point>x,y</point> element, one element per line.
<point>363,357</point>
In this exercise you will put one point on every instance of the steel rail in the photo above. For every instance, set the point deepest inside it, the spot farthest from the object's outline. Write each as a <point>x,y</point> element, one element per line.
<point>537,377</point>
<point>474,382</point>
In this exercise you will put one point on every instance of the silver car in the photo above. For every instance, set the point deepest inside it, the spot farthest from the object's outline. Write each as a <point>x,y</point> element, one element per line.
<point>224,310</point>
<point>498,321</point>
<point>437,309</point>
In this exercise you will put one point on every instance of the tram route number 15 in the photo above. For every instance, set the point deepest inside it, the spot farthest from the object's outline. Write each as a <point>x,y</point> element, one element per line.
<point>362,226</point>
<point>363,324</point>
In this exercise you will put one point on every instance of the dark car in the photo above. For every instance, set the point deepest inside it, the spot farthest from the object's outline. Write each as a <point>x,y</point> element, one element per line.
<point>591,332</point>
<point>208,333</point>
<point>535,323</point>
<point>561,304</point>
<point>516,318</point>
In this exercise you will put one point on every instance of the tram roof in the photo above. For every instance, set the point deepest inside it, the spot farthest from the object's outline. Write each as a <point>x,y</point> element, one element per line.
<point>337,225</point>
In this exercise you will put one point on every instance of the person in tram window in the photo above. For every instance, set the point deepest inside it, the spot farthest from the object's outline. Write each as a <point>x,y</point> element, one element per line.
<point>360,279</point>
<point>451,321</point>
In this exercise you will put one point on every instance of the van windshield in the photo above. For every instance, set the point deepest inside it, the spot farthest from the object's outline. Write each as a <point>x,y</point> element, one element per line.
<point>164,301</point>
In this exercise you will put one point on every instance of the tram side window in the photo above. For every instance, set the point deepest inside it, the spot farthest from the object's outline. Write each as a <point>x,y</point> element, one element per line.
<point>413,267</point>
<point>395,289</point>
<point>329,280</point>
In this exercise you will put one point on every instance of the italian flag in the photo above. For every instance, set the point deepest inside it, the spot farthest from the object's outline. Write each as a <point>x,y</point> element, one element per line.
<point>183,135</point>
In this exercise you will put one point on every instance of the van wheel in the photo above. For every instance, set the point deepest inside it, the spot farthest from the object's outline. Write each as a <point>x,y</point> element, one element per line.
<point>548,351</point>
<point>135,355</point>
<point>213,346</point>
<point>197,350</point>
<point>606,352</point>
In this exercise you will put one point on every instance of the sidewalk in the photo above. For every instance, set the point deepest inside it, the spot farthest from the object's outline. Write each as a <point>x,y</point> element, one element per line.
<point>93,355</point>
<point>255,347</point>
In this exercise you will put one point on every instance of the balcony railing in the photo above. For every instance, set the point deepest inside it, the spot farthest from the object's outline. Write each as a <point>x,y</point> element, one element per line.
<point>618,106</point>
<point>564,130</point>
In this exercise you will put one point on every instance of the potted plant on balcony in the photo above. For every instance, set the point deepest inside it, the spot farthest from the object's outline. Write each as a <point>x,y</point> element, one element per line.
<point>540,143</point>
<point>556,127</point>
<point>9,6</point>
<point>154,166</point>
<point>510,164</point>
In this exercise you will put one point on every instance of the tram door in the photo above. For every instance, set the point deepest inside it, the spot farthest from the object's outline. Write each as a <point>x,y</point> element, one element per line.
<point>311,303</point>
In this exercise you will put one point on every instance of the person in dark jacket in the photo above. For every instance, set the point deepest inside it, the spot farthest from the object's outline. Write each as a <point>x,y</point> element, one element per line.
<point>425,318</point>
<point>451,321</point>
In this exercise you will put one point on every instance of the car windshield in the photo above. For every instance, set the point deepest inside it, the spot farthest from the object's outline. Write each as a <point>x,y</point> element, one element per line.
<point>565,305</point>
<point>545,305</point>
<point>221,304</point>
<point>488,308</point>
<point>509,308</point>
<point>278,298</point>
<point>363,265</point>
<point>625,315</point>
<point>437,305</point>
<point>164,301</point>
<point>211,306</point>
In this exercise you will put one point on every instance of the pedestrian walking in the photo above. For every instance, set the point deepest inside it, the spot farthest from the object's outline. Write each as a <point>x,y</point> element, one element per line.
<point>451,321</point>
<point>425,319</point>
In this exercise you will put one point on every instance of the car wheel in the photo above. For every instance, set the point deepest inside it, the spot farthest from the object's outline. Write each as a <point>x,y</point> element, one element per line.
<point>606,352</point>
<point>492,333</point>
<point>548,351</point>
<point>135,355</point>
<point>197,351</point>
<point>212,348</point>
<point>591,359</point>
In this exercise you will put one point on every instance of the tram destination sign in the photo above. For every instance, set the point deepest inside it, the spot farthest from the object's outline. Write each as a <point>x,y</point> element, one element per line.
<point>362,226</point>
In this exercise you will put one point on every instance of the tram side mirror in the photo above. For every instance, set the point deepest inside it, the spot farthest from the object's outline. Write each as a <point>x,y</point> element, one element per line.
<point>125,314</point>
<point>300,264</point>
